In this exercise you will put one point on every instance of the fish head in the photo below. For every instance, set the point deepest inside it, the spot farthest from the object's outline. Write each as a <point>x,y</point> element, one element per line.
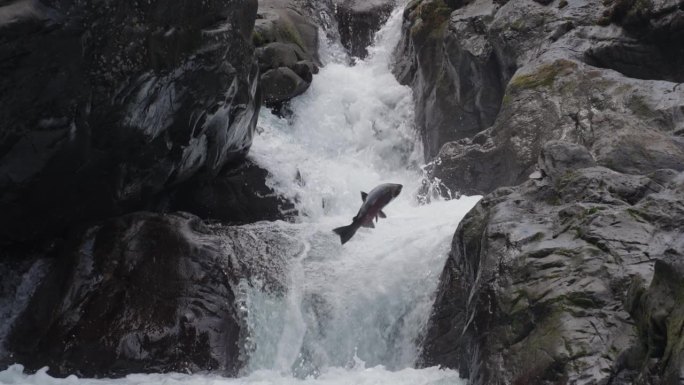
<point>396,190</point>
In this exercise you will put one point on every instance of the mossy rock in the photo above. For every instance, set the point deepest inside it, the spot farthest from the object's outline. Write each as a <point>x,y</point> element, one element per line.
<point>627,12</point>
<point>431,18</point>
<point>544,76</point>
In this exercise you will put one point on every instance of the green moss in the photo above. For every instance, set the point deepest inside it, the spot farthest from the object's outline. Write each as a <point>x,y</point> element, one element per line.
<point>638,105</point>
<point>582,300</point>
<point>565,180</point>
<point>562,4</point>
<point>565,252</point>
<point>553,199</point>
<point>590,211</point>
<point>518,25</point>
<point>537,237</point>
<point>433,15</point>
<point>506,99</point>
<point>258,39</point>
<point>545,75</point>
<point>636,215</point>
<point>290,33</point>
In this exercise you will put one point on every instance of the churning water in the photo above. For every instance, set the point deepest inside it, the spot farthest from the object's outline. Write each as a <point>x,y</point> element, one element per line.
<point>352,314</point>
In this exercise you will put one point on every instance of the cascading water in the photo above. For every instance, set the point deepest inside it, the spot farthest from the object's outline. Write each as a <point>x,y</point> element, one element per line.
<point>352,314</point>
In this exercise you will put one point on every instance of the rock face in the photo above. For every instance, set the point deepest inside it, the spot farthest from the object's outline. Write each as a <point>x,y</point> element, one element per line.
<point>237,195</point>
<point>359,20</point>
<point>149,293</point>
<point>659,311</point>
<point>106,105</point>
<point>552,280</point>
<point>545,61</point>
<point>453,66</point>
<point>287,49</point>
<point>541,279</point>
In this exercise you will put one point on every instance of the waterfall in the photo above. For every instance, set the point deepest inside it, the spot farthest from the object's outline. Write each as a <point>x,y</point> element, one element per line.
<point>352,314</point>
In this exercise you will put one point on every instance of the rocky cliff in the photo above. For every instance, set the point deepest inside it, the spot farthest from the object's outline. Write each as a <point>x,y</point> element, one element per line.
<point>106,105</point>
<point>149,292</point>
<point>569,115</point>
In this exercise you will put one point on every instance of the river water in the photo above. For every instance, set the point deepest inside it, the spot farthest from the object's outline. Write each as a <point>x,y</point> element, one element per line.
<point>352,314</point>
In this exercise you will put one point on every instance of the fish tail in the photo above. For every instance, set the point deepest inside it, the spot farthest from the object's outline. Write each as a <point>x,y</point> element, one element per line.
<point>346,232</point>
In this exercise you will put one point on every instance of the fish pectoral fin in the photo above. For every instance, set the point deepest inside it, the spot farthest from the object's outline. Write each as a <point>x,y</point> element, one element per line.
<point>381,214</point>
<point>369,224</point>
<point>364,196</point>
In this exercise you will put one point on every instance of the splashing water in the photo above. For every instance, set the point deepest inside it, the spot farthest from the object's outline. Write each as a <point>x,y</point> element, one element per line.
<point>352,314</point>
<point>367,302</point>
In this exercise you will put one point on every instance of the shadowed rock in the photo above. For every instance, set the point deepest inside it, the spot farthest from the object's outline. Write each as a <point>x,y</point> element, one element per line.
<point>359,20</point>
<point>237,195</point>
<point>105,105</point>
<point>149,293</point>
<point>455,72</point>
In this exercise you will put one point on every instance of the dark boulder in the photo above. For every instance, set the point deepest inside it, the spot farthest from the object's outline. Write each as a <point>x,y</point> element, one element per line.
<point>282,84</point>
<point>287,49</point>
<point>237,195</point>
<point>149,293</point>
<point>359,20</point>
<point>105,105</point>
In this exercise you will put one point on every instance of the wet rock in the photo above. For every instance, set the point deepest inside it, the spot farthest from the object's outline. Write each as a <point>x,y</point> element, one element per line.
<point>652,49</point>
<point>557,158</point>
<point>359,20</point>
<point>150,293</point>
<point>536,287</point>
<point>106,105</point>
<point>631,130</point>
<point>282,84</point>
<point>453,67</point>
<point>287,41</point>
<point>276,55</point>
<point>490,140</point>
<point>238,195</point>
<point>659,313</point>
<point>583,169</point>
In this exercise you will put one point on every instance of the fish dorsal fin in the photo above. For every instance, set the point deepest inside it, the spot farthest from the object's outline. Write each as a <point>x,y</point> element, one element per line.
<point>381,214</point>
<point>364,196</point>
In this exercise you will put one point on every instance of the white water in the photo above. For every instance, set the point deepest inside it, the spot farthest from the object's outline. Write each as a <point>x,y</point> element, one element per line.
<point>353,314</point>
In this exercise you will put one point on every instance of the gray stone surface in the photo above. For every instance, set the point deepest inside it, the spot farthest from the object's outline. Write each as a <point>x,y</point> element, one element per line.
<point>536,285</point>
<point>488,122</point>
<point>551,277</point>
